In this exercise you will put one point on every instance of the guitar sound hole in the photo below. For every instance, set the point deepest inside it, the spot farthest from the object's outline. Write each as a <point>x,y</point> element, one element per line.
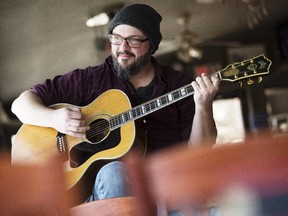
<point>99,130</point>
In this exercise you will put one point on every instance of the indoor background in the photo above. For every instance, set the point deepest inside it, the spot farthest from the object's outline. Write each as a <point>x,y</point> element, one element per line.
<point>43,38</point>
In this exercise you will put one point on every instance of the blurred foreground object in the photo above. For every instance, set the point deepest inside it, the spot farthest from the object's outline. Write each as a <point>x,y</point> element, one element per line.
<point>122,206</point>
<point>241,178</point>
<point>30,190</point>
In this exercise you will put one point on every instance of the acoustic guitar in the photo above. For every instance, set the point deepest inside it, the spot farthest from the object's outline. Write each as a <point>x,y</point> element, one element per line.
<point>112,126</point>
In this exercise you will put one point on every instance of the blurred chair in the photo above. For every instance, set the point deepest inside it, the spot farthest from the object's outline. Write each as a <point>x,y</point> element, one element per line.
<point>33,191</point>
<point>122,206</point>
<point>230,178</point>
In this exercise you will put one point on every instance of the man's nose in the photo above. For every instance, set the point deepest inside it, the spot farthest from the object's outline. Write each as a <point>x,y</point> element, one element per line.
<point>125,43</point>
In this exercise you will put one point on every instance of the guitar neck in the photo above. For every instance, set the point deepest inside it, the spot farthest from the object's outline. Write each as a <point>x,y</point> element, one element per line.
<point>238,71</point>
<point>151,106</point>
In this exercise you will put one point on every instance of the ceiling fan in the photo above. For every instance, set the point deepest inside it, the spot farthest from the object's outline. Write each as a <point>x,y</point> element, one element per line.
<point>186,40</point>
<point>189,42</point>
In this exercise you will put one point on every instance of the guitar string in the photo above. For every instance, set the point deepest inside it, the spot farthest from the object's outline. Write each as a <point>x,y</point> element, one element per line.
<point>98,129</point>
<point>137,111</point>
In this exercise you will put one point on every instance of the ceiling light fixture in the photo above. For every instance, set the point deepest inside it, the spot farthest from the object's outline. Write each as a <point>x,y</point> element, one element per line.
<point>195,53</point>
<point>104,16</point>
<point>98,20</point>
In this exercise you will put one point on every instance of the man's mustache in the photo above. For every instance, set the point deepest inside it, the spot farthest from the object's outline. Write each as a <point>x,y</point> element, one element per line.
<point>126,53</point>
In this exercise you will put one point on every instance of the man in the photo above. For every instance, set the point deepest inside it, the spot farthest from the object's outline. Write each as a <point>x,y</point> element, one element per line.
<point>134,34</point>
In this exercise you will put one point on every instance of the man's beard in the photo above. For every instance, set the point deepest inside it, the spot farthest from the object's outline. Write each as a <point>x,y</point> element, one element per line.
<point>133,69</point>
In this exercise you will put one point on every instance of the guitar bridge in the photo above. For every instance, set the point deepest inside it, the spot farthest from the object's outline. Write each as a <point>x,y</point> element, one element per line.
<point>62,146</point>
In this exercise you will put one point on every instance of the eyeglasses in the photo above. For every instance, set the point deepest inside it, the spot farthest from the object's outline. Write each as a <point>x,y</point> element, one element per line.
<point>133,42</point>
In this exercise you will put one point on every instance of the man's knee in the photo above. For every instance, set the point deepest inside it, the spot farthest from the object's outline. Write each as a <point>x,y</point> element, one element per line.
<point>114,168</point>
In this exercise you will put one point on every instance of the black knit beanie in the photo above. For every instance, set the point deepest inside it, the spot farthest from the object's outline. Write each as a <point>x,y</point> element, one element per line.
<point>142,17</point>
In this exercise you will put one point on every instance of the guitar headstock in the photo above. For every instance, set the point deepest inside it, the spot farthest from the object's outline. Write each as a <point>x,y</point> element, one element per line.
<point>254,67</point>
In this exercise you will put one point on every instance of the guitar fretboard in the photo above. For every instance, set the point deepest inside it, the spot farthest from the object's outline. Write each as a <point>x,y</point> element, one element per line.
<point>150,106</point>
<point>256,66</point>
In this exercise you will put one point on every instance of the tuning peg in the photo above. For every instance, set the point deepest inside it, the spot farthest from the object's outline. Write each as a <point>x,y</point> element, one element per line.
<point>250,82</point>
<point>260,79</point>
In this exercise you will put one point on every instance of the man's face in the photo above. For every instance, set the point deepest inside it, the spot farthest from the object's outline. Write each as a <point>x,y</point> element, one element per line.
<point>129,61</point>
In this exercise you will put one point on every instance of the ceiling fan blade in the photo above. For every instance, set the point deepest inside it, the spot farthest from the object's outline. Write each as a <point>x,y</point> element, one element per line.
<point>221,43</point>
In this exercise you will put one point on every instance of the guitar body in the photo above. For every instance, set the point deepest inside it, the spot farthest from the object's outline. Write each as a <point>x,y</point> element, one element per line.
<point>36,145</point>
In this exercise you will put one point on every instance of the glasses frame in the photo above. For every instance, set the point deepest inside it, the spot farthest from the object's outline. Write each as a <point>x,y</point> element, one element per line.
<point>127,40</point>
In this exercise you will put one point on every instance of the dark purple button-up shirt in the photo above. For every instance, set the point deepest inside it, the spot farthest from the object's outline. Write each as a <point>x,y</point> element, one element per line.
<point>165,127</point>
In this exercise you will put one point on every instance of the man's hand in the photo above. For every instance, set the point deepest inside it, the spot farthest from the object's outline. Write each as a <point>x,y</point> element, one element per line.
<point>70,121</point>
<point>206,89</point>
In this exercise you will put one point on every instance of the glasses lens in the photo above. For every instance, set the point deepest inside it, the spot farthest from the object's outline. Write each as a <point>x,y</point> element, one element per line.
<point>134,42</point>
<point>117,40</point>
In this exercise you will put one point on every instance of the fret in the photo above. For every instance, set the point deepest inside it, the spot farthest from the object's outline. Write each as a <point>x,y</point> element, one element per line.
<point>189,89</point>
<point>153,105</point>
<point>143,109</point>
<point>130,114</point>
<point>170,98</point>
<point>126,116</point>
<point>139,111</point>
<point>183,91</point>
<point>163,100</point>
<point>158,102</point>
<point>147,107</point>
<point>134,114</point>
<point>119,119</point>
<point>176,95</point>
<point>112,122</point>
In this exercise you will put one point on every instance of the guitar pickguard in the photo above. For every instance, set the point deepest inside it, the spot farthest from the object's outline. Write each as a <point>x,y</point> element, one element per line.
<point>81,152</point>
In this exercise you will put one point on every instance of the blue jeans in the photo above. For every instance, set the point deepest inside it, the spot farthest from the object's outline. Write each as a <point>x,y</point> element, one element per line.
<point>110,182</point>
